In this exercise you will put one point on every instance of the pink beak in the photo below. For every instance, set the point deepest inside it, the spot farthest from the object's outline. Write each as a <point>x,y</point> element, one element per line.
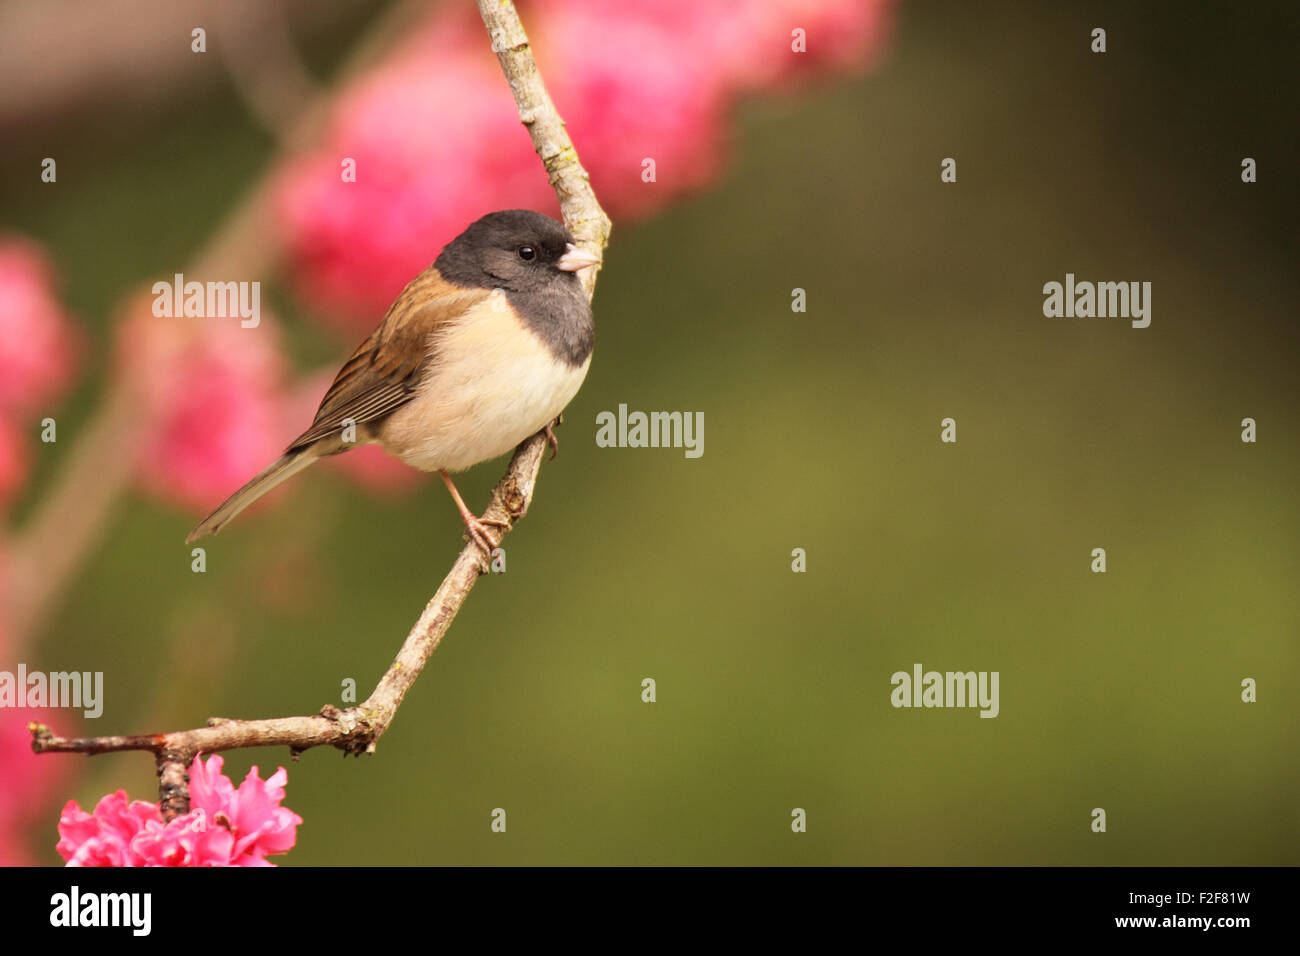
<point>575,259</point>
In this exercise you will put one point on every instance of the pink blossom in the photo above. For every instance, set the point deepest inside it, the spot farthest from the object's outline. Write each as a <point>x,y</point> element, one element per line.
<point>226,826</point>
<point>38,348</point>
<point>435,147</point>
<point>250,817</point>
<point>632,87</point>
<point>105,837</point>
<point>37,342</point>
<point>436,141</point>
<point>211,393</point>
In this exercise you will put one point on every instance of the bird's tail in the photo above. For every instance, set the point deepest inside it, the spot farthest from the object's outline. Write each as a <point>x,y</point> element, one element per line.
<point>284,467</point>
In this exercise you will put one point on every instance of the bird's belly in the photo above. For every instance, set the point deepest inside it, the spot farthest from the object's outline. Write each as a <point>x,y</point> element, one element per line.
<point>492,385</point>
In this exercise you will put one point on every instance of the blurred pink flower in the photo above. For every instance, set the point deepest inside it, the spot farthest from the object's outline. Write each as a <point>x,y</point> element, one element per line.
<point>225,826</point>
<point>28,782</point>
<point>631,86</point>
<point>38,348</point>
<point>211,390</point>
<point>37,341</point>
<point>436,141</point>
<point>433,146</point>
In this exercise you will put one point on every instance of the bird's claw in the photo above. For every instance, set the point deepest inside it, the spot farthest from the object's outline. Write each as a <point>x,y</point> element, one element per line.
<point>476,531</point>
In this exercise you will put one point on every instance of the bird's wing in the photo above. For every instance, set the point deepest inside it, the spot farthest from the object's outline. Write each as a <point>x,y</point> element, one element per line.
<point>385,370</point>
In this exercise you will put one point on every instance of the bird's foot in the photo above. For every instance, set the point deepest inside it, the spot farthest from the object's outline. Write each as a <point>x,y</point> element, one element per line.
<point>476,531</point>
<point>475,528</point>
<point>552,441</point>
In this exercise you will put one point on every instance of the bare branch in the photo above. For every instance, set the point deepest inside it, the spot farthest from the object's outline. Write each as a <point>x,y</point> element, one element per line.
<point>582,213</point>
<point>357,729</point>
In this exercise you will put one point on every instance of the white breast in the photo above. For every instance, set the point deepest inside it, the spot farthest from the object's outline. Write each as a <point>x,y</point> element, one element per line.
<point>492,384</point>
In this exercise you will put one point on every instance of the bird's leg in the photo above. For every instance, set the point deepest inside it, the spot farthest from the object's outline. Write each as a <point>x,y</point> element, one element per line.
<point>476,527</point>
<point>552,440</point>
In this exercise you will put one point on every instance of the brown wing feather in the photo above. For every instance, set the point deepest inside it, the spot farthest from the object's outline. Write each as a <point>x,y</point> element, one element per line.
<point>385,370</point>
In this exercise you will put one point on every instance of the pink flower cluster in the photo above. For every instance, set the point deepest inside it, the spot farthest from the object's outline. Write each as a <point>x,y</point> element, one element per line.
<point>436,142</point>
<point>225,826</point>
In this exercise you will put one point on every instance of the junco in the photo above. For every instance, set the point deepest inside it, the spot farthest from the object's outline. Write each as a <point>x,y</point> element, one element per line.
<point>482,349</point>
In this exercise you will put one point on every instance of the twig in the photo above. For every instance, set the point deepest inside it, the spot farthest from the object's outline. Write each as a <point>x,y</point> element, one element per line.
<point>357,729</point>
<point>264,65</point>
<point>582,213</point>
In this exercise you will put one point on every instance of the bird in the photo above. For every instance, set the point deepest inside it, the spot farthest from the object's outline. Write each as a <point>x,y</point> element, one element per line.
<point>482,349</point>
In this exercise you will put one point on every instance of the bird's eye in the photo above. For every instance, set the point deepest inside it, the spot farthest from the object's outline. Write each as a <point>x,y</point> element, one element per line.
<point>527,253</point>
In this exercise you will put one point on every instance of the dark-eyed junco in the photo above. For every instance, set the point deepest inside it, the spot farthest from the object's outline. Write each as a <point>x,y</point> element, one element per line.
<point>482,349</point>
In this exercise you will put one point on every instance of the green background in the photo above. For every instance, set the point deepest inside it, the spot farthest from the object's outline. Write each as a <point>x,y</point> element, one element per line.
<point>1118,690</point>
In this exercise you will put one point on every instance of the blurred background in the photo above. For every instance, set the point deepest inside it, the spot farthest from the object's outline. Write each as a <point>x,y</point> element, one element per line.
<point>776,170</point>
